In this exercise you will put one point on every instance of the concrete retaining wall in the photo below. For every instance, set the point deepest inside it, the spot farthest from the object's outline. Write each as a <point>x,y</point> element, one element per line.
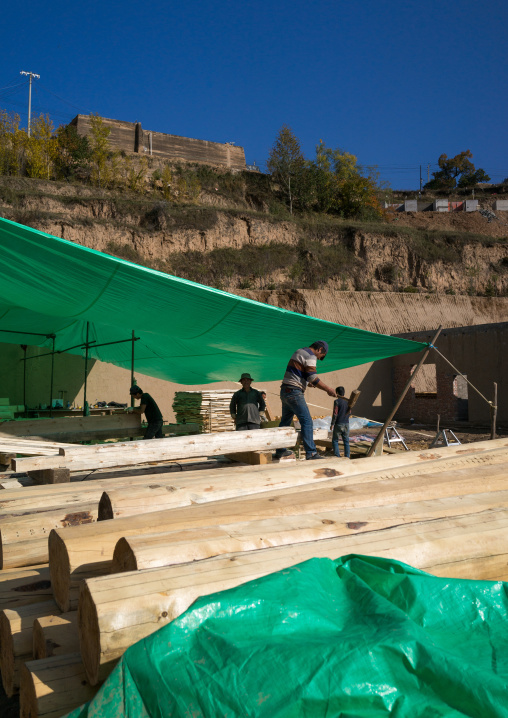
<point>131,137</point>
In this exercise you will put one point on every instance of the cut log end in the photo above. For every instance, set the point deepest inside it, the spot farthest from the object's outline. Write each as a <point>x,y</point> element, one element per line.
<point>53,686</point>
<point>89,635</point>
<point>124,558</point>
<point>59,570</point>
<point>105,508</point>
<point>7,663</point>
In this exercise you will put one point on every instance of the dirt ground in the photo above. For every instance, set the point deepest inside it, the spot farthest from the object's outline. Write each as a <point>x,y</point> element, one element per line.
<point>419,437</point>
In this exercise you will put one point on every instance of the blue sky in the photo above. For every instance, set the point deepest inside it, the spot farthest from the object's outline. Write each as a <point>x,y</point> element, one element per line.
<point>395,83</point>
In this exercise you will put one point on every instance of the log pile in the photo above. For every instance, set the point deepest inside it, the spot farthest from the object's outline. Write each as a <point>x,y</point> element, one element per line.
<point>157,541</point>
<point>208,408</point>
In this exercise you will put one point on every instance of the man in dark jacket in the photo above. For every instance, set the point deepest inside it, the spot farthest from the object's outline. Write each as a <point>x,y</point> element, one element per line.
<point>245,405</point>
<point>149,408</point>
<point>340,423</point>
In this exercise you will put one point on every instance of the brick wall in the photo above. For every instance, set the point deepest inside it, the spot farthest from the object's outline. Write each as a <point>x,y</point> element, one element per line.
<point>131,137</point>
<point>479,352</point>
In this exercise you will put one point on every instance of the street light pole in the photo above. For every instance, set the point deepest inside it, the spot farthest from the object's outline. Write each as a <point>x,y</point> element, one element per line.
<point>30,75</point>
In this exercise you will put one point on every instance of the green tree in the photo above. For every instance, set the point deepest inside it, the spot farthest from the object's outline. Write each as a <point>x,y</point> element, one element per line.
<point>340,186</point>
<point>100,150</point>
<point>456,169</point>
<point>41,148</point>
<point>12,144</point>
<point>287,165</point>
<point>72,151</point>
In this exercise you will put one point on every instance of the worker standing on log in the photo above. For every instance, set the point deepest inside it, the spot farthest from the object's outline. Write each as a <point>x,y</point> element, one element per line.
<point>246,403</point>
<point>149,408</point>
<point>300,372</point>
<point>340,422</point>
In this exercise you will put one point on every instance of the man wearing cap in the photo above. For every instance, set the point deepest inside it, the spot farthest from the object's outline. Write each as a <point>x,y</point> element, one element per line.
<point>300,373</point>
<point>149,408</point>
<point>245,405</point>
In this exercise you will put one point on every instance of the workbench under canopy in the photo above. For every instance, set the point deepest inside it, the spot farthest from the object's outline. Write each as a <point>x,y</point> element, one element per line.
<point>188,333</point>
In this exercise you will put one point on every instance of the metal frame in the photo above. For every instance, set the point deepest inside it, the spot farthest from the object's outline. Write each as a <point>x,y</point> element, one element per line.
<point>86,345</point>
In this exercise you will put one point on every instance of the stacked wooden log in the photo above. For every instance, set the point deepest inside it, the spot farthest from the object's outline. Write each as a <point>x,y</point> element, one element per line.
<point>208,408</point>
<point>83,458</point>
<point>173,538</point>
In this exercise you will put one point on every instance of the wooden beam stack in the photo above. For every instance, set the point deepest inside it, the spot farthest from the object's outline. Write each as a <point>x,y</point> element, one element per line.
<point>445,511</point>
<point>208,408</point>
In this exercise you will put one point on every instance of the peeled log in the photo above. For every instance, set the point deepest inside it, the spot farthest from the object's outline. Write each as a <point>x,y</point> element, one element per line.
<point>180,447</point>
<point>16,642</point>
<point>85,551</point>
<point>158,496</point>
<point>87,555</point>
<point>20,587</point>
<point>135,553</point>
<point>52,687</point>
<point>118,610</point>
<point>118,502</point>
<point>76,492</point>
<point>24,538</point>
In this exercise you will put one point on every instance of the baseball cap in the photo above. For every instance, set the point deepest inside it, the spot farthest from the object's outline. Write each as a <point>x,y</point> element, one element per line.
<point>322,345</point>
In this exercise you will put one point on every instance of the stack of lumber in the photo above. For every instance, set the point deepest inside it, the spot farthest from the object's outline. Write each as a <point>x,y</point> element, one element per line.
<point>162,541</point>
<point>208,408</point>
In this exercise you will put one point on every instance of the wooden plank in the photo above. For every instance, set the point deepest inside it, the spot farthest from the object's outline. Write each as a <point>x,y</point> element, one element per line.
<point>256,458</point>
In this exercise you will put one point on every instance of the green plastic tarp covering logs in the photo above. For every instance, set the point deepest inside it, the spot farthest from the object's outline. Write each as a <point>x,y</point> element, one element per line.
<point>357,637</point>
<point>188,333</point>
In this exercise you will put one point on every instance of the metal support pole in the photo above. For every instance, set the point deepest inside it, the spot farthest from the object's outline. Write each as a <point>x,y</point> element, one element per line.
<point>24,347</point>
<point>132,366</point>
<point>379,438</point>
<point>51,382</point>
<point>86,369</point>
<point>493,414</point>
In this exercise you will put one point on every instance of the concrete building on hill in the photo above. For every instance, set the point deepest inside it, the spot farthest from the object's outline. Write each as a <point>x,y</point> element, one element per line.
<point>131,137</point>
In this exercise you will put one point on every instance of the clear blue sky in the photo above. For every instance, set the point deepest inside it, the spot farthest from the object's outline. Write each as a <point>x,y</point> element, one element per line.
<point>395,83</point>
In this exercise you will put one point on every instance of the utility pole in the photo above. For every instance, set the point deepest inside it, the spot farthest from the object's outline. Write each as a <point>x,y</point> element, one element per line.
<point>30,75</point>
<point>420,179</point>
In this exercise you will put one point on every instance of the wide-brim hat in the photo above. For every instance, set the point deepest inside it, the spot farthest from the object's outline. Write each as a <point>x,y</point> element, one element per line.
<point>246,376</point>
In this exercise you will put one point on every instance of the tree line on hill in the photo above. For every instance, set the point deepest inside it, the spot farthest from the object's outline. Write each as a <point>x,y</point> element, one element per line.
<point>332,183</point>
<point>335,183</point>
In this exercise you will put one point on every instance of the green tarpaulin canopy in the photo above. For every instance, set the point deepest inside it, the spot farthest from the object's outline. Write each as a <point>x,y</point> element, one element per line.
<point>189,333</point>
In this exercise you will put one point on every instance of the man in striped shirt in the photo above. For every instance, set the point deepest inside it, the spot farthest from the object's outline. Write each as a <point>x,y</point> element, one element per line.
<point>301,372</point>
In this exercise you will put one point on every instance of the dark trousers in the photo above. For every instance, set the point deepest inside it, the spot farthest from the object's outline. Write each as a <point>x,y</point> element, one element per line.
<point>343,430</point>
<point>247,427</point>
<point>154,431</point>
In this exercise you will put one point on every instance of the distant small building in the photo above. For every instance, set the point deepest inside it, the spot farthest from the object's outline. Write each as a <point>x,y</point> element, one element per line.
<point>131,137</point>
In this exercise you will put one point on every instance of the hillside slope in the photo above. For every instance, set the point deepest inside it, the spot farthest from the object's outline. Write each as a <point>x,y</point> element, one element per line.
<point>226,242</point>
